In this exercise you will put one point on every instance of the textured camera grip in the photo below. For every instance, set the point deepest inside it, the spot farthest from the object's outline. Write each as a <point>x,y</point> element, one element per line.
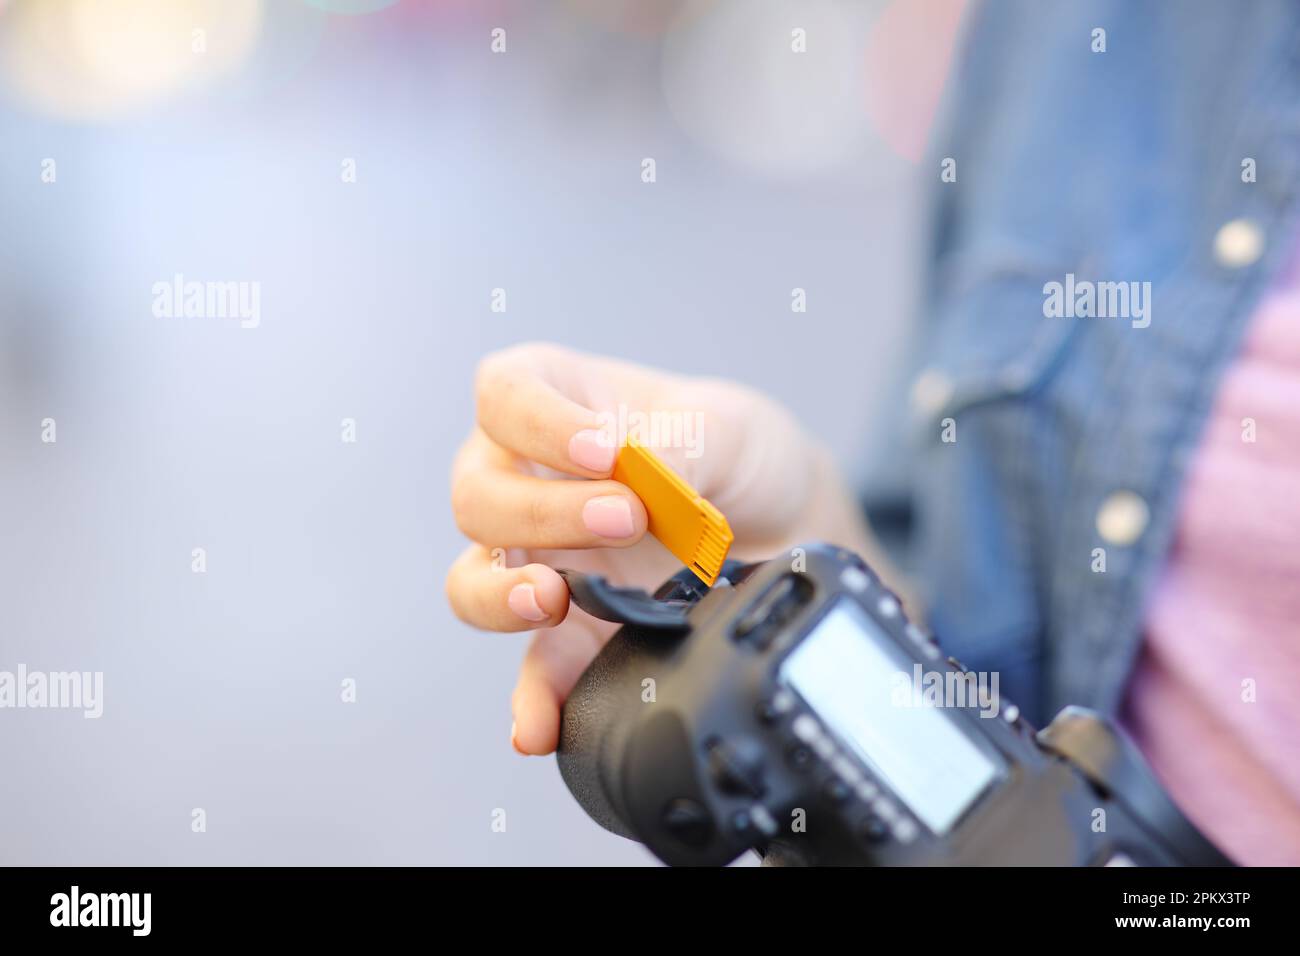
<point>598,717</point>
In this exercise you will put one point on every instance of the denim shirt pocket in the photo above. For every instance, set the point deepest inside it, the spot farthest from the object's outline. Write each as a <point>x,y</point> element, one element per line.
<point>992,349</point>
<point>990,339</point>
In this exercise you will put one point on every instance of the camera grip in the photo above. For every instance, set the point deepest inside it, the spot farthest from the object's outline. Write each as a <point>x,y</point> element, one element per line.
<point>598,718</point>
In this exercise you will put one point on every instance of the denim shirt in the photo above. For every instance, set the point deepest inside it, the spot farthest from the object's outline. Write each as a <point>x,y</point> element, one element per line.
<point>1068,435</point>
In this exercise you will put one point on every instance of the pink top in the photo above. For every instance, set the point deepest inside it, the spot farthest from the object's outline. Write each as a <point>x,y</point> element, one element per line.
<point>1215,700</point>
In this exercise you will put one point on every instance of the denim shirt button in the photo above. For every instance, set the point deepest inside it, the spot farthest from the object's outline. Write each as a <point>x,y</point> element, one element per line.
<point>1238,244</point>
<point>1122,518</point>
<point>931,392</point>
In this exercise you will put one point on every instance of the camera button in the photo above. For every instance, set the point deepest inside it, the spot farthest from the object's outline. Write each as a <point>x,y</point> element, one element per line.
<point>806,729</point>
<point>775,707</point>
<point>737,766</point>
<point>800,758</point>
<point>873,830</point>
<point>885,810</point>
<point>688,821</point>
<point>846,770</point>
<point>905,830</point>
<point>855,579</point>
<point>918,635</point>
<point>836,791</point>
<point>765,822</point>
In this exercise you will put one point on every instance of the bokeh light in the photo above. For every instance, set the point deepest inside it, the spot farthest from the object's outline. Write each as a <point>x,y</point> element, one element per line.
<point>350,7</point>
<point>99,59</point>
<point>634,17</point>
<point>909,55</point>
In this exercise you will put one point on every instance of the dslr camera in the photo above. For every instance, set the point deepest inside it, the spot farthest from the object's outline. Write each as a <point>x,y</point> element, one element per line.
<point>794,710</point>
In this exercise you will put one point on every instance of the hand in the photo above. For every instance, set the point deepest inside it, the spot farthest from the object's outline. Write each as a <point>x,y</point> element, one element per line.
<point>540,425</point>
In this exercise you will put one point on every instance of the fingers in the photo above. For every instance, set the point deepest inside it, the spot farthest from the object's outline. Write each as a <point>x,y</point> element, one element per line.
<point>496,504</point>
<point>522,411</point>
<point>486,594</point>
<point>554,662</point>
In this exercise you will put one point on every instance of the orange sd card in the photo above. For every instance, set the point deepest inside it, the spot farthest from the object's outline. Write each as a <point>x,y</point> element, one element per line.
<point>687,525</point>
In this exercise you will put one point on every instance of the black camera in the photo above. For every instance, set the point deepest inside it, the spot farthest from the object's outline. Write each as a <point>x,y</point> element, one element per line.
<point>793,709</point>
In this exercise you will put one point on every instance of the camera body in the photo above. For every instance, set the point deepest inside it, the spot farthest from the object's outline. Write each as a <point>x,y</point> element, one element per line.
<point>796,711</point>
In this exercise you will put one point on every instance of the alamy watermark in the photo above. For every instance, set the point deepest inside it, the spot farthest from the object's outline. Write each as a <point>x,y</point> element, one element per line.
<point>659,429</point>
<point>53,690</point>
<point>1102,300</point>
<point>179,299</point>
<point>948,688</point>
<point>132,911</point>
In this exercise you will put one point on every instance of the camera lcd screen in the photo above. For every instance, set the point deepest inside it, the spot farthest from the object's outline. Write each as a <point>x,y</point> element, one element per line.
<point>857,680</point>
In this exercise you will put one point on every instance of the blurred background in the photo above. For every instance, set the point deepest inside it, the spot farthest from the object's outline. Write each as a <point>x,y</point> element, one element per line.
<point>378,170</point>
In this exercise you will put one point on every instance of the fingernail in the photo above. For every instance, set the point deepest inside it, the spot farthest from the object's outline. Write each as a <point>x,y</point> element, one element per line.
<point>592,450</point>
<point>513,742</point>
<point>523,601</point>
<point>609,516</point>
